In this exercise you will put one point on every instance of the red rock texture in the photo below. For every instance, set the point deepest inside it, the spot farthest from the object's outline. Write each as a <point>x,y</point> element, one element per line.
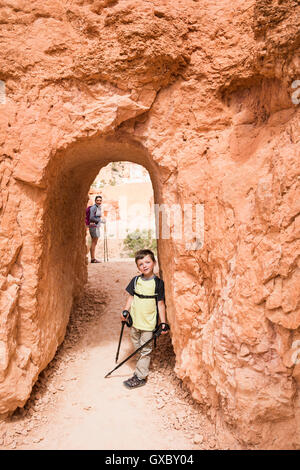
<point>200,93</point>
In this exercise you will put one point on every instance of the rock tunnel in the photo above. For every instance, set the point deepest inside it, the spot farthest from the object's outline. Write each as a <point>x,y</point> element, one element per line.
<point>213,124</point>
<point>63,257</point>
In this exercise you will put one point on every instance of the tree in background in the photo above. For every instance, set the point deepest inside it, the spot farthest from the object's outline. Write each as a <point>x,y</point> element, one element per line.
<point>139,240</point>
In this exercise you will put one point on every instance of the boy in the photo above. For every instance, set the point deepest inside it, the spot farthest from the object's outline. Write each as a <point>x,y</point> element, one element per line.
<point>144,312</point>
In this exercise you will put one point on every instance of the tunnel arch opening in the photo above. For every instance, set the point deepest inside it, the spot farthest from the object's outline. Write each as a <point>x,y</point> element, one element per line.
<point>128,210</point>
<point>63,267</point>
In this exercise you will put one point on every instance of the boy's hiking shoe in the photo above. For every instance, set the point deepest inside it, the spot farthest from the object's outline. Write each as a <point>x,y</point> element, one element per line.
<point>134,382</point>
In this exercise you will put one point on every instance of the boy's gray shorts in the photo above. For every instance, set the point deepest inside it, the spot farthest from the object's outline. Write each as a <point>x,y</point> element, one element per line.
<point>94,232</point>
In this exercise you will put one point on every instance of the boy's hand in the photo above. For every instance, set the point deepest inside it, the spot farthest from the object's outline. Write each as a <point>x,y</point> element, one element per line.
<point>124,315</point>
<point>165,331</point>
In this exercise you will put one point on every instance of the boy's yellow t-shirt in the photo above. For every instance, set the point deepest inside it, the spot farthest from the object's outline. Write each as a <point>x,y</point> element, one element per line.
<point>143,311</point>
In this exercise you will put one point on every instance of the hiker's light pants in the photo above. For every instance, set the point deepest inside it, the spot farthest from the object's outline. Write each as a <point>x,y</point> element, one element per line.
<point>140,337</point>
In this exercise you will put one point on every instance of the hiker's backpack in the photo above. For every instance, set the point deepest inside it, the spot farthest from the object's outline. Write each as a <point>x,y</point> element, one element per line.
<point>87,215</point>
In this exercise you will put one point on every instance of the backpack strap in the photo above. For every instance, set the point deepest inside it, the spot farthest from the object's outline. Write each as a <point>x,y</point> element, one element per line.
<point>156,302</point>
<point>142,296</point>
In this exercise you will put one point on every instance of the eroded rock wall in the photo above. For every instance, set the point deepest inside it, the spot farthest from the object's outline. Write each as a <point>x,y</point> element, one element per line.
<point>201,94</point>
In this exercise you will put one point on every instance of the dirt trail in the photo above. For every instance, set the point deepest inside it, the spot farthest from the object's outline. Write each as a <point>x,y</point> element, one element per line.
<point>73,406</point>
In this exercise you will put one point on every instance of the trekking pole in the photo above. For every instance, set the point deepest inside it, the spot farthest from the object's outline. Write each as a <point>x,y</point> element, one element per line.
<point>156,333</point>
<point>104,254</point>
<point>105,247</point>
<point>106,244</point>
<point>127,322</point>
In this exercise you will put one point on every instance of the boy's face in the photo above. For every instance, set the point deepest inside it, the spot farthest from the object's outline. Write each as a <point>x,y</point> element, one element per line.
<point>145,265</point>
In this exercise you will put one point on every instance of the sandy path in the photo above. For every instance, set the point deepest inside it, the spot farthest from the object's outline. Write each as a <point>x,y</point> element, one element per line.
<point>74,407</point>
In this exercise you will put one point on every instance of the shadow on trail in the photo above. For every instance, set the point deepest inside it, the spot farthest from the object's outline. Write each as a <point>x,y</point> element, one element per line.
<point>84,315</point>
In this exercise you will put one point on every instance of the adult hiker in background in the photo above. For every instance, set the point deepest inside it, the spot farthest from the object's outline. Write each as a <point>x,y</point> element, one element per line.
<point>95,220</point>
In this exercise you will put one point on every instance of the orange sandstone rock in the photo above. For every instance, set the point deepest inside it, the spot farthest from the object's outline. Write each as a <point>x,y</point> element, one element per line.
<point>200,93</point>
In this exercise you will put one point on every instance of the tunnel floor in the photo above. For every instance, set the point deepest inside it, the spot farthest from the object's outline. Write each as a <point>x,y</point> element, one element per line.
<point>73,406</point>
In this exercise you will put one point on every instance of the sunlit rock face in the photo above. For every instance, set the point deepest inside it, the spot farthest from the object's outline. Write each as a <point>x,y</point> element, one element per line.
<point>206,96</point>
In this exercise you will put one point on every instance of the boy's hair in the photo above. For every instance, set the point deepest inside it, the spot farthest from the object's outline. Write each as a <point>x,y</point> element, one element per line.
<point>142,253</point>
<point>98,197</point>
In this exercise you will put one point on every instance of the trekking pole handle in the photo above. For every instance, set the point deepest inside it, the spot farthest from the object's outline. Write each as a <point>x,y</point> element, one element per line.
<point>127,318</point>
<point>125,313</point>
<point>161,327</point>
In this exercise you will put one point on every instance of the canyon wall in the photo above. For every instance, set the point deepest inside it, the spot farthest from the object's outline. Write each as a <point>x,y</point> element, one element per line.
<point>204,94</point>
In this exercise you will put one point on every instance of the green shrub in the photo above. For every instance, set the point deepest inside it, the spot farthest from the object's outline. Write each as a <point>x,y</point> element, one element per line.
<point>139,240</point>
